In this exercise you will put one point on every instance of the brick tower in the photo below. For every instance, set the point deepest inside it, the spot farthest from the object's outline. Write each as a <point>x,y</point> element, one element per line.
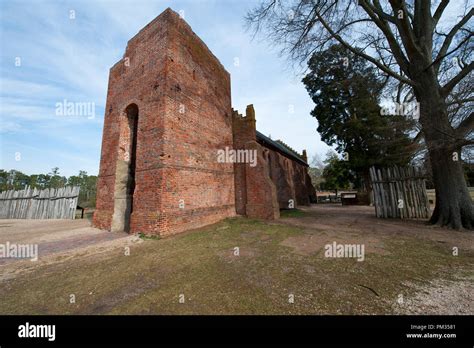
<point>167,114</point>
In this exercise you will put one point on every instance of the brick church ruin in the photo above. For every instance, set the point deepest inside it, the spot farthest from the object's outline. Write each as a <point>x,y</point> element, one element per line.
<point>168,115</point>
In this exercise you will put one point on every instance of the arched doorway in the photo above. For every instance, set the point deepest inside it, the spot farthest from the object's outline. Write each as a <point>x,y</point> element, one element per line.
<point>125,169</point>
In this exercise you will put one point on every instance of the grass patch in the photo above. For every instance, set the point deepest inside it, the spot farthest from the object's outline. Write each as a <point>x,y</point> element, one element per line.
<point>291,213</point>
<point>148,237</point>
<point>203,267</point>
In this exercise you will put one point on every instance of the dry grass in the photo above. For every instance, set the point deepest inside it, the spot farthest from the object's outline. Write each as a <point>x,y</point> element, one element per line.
<point>275,260</point>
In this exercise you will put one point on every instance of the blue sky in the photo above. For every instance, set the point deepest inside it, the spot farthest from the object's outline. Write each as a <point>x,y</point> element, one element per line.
<point>64,58</point>
<point>69,59</point>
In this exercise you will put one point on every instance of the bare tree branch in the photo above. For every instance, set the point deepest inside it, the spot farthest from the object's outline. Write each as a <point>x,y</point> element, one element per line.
<point>448,87</point>
<point>461,44</point>
<point>439,11</point>
<point>450,36</point>
<point>404,27</point>
<point>466,126</point>
<point>380,18</point>
<point>362,54</point>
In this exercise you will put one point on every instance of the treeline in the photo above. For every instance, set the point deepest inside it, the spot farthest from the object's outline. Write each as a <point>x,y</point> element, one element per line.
<point>16,180</point>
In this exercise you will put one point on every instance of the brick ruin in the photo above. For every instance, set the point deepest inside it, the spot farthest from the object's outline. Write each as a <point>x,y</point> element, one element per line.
<point>168,114</point>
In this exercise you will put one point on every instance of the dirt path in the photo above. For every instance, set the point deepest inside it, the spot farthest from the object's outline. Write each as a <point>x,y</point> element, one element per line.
<point>56,241</point>
<point>354,220</point>
<point>358,224</point>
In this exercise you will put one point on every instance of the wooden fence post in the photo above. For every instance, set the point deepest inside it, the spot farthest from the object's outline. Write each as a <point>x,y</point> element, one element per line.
<point>39,204</point>
<point>390,185</point>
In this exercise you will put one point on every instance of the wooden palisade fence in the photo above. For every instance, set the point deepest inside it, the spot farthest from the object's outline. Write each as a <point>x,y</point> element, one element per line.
<point>32,203</point>
<point>400,192</point>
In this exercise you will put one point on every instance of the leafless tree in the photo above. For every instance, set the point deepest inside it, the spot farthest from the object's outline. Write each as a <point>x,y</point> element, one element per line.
<point>408,41</point>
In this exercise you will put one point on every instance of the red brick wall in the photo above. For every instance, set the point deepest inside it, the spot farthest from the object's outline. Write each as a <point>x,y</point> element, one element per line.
<point>281,169</point>
<point>183,96</point>
<point>184,118</point>
<point>289,177</point>
<point>198,123</point>
<point>291,180</point>
<point>243,132</point>
<point>255,193</point>
<point>262,199</point>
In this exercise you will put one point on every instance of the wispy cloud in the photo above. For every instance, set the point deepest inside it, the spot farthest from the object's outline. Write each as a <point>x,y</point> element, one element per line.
<point>69,58</point>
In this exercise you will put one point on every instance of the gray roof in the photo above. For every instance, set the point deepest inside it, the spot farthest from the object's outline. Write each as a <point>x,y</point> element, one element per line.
<point>279,147</point>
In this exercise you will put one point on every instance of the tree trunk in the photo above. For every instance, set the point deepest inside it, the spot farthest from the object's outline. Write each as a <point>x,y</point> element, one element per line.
<point>453,204</point>
<point>454,207</point>
<point>368,186</point>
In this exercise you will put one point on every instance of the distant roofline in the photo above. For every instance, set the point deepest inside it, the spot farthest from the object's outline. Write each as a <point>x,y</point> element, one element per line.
<point>280,148</point>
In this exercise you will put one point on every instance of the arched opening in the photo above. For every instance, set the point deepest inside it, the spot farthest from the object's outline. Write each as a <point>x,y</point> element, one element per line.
<point>268,159</point>
<point>132,116</point>
<point>125,169</point>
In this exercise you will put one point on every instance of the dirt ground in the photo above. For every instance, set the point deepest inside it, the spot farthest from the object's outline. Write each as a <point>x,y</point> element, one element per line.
<point>242,266</point>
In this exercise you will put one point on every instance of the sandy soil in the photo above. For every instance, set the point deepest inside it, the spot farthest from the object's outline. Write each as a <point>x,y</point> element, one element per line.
<point>439,297</point>
<point>58,241</point>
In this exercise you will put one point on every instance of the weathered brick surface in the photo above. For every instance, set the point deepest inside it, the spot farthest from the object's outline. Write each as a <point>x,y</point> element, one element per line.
<point>183,96</point>
<point>262,199</point>
<point>275,182</point>
<point>255,192</point>
<point>281,168</point>
<point>243,132</point>
<point>182,93</point>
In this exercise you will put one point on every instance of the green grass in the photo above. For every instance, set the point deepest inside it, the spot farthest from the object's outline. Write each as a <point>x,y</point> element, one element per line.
<point>288,213</point>
<point>152,237</point>
<point>202,266</point>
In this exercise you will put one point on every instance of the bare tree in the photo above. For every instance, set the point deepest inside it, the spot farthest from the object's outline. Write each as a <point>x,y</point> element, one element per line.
<point>407,41</point>
<point>315,171</point>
